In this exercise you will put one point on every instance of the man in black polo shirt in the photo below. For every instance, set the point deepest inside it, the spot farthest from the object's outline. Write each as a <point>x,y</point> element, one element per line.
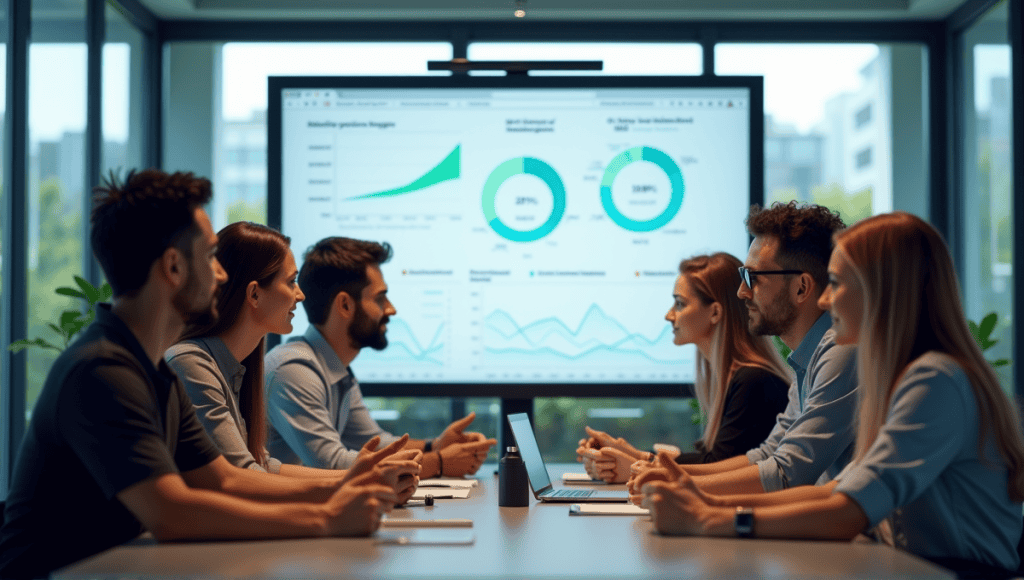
<point>114,446</point>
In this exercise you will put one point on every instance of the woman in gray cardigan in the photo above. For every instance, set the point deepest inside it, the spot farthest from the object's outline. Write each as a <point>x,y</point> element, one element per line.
<point>221,364</point>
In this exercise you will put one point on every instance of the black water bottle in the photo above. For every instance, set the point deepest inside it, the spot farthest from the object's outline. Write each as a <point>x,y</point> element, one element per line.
<point>513,486</point>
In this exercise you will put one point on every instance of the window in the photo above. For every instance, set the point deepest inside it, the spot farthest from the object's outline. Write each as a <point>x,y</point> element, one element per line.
<point>56,180</point>
<point>559,423</point>
<point>3,201</point>
<point>825,104</point>
<point>122,95</point>
<point>988,180</point>
<point>240,124</point>
<point>425,418</point>
<point>618,58</point>
<point>863,158</point>
<point>863,116</point>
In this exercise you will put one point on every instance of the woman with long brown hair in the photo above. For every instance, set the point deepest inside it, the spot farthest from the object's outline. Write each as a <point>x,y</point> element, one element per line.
<point>741,381</point>
<point>938,467</point>
<point>221,364</point>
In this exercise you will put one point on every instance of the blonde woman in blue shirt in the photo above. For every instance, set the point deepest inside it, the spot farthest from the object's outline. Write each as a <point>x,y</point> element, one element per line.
<point>939,463</point>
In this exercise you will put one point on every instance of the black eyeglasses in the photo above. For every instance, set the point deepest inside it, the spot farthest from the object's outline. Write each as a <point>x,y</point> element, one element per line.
<point>749,276</point>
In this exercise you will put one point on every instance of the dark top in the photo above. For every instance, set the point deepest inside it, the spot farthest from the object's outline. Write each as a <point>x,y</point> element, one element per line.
<point>105,420</point>
<point>753,401</point>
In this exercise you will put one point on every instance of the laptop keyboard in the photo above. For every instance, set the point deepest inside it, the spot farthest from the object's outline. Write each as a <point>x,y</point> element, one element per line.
<point>571,493</point>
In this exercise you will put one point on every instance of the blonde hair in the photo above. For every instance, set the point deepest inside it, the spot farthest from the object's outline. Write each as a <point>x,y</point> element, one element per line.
<point>715,278</point>
<point>912,306</point>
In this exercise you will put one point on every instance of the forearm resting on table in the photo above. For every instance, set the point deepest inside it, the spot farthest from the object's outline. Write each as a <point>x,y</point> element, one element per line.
<point>290,470</point>
<point>172,510</point>
<point>726,465</point>
<point>836,517</point>
<point>219,475</point>
<point>746,480</point>
<point>782,497</point>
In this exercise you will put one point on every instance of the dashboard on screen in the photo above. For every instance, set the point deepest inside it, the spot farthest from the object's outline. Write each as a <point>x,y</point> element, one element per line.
<point>537,223</point>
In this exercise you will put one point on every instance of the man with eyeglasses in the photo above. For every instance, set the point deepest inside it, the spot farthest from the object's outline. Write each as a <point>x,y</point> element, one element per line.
<point>784,274</point>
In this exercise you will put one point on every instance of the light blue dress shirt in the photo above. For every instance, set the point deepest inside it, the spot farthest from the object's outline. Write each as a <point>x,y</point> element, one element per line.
<point>316,410</point>
<point>925,475</point>
<point>813,439</point>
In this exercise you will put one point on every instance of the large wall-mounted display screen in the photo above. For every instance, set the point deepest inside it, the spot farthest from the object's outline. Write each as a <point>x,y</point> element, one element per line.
<point>537,223</point>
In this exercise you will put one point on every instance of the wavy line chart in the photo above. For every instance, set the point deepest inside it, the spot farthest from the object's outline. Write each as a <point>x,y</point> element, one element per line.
<point>598,339</point>
<point>405,349</point>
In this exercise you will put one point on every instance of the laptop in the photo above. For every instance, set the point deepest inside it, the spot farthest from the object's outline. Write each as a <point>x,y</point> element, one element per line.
<point>538,472</point>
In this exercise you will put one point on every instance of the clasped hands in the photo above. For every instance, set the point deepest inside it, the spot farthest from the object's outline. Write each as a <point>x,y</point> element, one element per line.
<point>677,505</point>
<point>608,458</point>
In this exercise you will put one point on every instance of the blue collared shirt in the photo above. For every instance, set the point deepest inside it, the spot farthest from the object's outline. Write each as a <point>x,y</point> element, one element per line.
<point>316,409</point>
<point>926,474</point>
<point>813,440</point>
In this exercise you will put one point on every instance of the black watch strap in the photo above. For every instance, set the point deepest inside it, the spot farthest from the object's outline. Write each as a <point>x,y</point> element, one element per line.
<point>744,522</point>
<point>428,446</point>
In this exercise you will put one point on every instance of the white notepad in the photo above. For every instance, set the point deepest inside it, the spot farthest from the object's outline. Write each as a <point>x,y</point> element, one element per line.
<point>441,492</point>
<point>448,482</point>
<point>607,509</point>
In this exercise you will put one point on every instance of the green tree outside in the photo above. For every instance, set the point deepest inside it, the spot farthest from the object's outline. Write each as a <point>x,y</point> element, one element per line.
<point>242,211</point>
<point>58,260</point>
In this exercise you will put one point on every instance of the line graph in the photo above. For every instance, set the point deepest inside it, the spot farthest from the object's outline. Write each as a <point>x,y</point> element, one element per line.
<point>404,348</point>
<point>598,339</point>
<point>448,169</point>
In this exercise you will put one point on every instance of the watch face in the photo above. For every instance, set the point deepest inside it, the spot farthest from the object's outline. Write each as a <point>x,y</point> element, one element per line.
<point>744,521</point>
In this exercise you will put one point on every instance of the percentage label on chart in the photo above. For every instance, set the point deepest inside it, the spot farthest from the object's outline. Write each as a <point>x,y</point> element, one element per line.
<point>526,201</point>
<point>644,189</point>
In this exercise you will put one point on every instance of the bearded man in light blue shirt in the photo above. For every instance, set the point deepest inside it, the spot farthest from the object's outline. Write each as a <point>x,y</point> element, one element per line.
<point>785,272</point>
<point>315,406</point>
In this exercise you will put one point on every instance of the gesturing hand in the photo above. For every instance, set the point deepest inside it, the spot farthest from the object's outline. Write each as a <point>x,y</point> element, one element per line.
<point>454,433</point>
<point>460,459</point>
<point>370,456</point>
<point>355,508</point>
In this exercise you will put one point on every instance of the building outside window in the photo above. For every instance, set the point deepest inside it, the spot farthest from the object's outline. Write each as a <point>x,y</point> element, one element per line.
<point>824,105</point>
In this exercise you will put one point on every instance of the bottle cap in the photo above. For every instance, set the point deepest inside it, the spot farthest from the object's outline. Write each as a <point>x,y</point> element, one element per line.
<point>512,449</point>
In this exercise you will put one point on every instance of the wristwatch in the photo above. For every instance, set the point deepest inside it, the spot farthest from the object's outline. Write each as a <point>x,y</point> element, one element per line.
<point>744,521</point>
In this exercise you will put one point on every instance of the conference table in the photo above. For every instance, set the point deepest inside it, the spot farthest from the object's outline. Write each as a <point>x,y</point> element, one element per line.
<point>539,541</point>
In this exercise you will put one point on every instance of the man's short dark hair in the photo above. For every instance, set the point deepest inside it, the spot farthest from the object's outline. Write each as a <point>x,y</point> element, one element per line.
<point>334,265</point>
<point>134,222</point>
<point>804,232</point>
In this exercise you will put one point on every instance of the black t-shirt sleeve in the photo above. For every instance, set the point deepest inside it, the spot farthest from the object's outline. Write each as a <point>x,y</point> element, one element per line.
<point>195,448</point>
<point>752,404</point>
<point>111,421</point>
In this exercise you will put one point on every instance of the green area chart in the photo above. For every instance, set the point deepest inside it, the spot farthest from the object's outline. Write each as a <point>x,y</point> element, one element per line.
<point>448,169</point>
<point>663,161</point>
<point>519,166</point>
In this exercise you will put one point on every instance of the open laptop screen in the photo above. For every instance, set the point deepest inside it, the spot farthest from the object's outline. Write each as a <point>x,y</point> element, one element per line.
<point>527,443</point>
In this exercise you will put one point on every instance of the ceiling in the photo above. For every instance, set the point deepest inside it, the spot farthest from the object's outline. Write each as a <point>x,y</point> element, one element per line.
<point>554,10</point>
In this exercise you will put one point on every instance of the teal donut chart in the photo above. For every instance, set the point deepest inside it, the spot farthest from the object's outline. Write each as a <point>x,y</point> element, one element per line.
<point>529,166</point>
<point>675,178</point>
